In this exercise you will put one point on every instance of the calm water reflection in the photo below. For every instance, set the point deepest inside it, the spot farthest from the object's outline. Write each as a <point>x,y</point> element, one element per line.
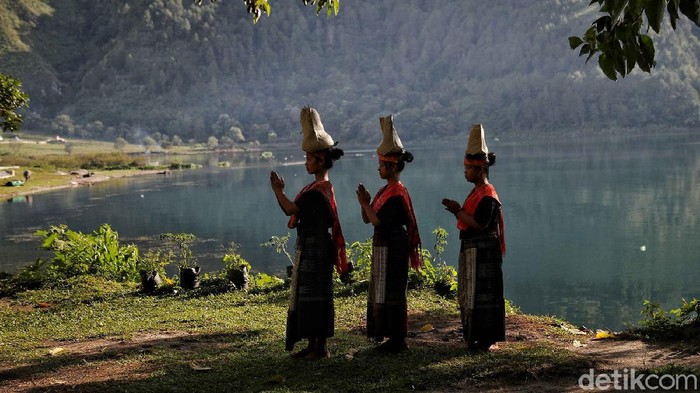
<point>593,226</point>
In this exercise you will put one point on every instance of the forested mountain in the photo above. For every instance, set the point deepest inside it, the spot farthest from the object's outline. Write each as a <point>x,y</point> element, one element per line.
<point>168,67</point>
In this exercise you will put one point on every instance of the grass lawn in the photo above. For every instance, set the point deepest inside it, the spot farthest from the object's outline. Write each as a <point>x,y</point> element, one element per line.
<point>102,336</point>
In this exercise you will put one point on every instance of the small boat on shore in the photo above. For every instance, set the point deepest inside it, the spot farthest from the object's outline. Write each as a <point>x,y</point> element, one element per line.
<point>14,183</point>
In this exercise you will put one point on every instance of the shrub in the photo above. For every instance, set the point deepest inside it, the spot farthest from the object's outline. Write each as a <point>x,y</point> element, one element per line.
<point>179,244</point>
<point>678,323</point>
<point>236,268</point>
<point>77,254</point>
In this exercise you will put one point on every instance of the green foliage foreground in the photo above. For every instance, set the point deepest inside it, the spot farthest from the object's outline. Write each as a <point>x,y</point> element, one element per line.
<point>218,337</point>
<point>235,342</point>
<point>87,316</point>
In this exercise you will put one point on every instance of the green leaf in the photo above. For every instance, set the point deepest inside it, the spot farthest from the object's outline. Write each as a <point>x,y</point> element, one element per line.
<point>602,23</point>
<point>336,7</point>
<point>618,59</point>
<point>672,8</point>
<point>606,65</point>
<point>691,9</point>
<point>631,51</point>
<point>12,98</point>
<point>647,52</point>
<point>654,10</point>
<point>574,42</point>
<point>590,34</point>
<point>618,7</point>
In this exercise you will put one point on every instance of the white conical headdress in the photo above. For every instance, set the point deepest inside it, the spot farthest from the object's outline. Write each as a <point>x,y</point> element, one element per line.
<point>391,143</point>
<point>315,136</point>
<point>477,141</point>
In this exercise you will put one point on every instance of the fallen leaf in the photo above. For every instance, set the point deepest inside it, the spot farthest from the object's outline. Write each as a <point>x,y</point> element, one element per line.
<point>602,334</point>
<point>427,328</point>
<point>43,305</point>
<point>56,351</point>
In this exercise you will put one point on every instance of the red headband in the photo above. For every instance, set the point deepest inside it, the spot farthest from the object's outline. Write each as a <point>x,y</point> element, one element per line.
<point>471,161</point>
<point>390,158</point>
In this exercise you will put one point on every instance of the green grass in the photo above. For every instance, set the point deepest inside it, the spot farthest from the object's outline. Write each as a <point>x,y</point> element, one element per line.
<point>240,336</point>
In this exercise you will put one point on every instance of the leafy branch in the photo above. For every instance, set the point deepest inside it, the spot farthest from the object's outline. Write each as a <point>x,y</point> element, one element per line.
<point>619,35</point>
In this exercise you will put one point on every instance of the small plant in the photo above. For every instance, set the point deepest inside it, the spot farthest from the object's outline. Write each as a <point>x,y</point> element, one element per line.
<point>445,282</point>
<point>682,322</point>
<point>32,276</point>
<point>235,267</point>
<point>440,244</point>
<point>98,254</point>
<point>360,256</point>
<point>152,268</point>
<point>181,244</point>
<point>263,282</point>
<point>189,271</point>
<point>280,243</point>
<point>155,261</point>
<point>425,277</point>
<point>444,279</point>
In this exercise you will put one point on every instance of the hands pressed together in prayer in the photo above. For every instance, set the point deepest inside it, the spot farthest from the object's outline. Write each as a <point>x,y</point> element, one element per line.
<point>363,195</point>
<point>451,206</point>
<point>276,181</point>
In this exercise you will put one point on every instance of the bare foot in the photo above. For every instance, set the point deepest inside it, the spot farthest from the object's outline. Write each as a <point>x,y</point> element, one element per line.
<point>392,346</point>
<point>316,355</point>
<point>303,353</point>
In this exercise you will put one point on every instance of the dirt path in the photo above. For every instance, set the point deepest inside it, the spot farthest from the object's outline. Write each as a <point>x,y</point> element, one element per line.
<point>102,358</point>
<point>604,355</point>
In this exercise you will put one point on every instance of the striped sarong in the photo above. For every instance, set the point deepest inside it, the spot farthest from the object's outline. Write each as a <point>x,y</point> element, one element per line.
<point>311,312</point>
<point>386,303</point>
<point>480,291</point>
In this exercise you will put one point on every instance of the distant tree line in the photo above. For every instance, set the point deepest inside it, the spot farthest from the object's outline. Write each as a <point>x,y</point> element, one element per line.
<point>167,69</point>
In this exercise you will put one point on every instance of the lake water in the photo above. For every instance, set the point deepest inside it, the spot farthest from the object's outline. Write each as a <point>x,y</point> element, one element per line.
<point>593,225</point>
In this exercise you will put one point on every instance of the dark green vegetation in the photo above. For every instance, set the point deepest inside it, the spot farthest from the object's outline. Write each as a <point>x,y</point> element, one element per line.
<point>83,320</point>
<point>234,342</point>
<point>100,254</point>
<point>682,323</point>
<point>12,99</point>
<point>170,68</point>
<point>105,161</point>
<point>232,338</point>
<point>618,35</point>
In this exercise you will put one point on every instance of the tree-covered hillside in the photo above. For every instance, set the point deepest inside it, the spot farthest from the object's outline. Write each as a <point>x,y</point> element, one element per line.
<point>168,67</point>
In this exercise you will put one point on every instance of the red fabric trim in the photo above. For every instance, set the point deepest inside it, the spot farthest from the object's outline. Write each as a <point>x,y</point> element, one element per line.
<point>414,242</point>
<point>326,189</point>
<point>472,201</point>
<point>471,161</point>
<point>389,158</point>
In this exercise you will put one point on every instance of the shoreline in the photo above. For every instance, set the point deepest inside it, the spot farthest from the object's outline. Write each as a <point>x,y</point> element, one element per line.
<point>74,181</point>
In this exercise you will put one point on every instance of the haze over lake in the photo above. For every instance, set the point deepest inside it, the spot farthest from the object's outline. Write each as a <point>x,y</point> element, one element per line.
<point>593,225</point>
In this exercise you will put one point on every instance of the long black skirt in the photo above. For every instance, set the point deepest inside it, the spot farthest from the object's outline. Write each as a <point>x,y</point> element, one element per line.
<point>481,300</point>
<point>311,312</point>
<point>386,303</point>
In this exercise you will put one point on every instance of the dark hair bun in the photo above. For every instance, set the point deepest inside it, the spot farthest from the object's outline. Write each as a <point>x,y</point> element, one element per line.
<point>492,158</point>
<point>407,156</point>
<point>334,153</point>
